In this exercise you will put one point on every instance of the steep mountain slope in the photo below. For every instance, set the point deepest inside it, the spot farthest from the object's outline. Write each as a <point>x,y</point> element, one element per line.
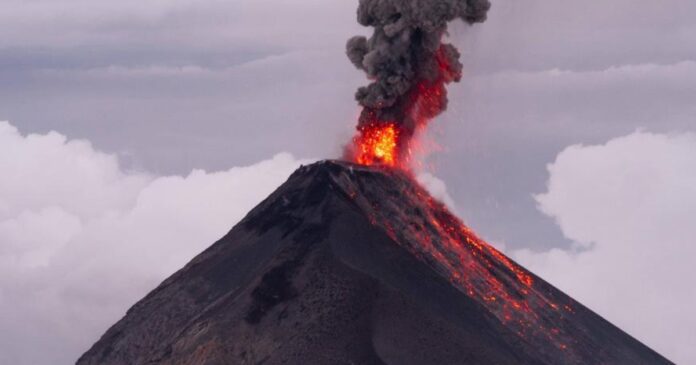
<point>346,264</point>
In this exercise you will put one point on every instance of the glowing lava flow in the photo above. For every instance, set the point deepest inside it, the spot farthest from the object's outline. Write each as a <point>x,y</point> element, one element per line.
<point>481,271</point>
<point>430,232</point>
<point>427,229</point>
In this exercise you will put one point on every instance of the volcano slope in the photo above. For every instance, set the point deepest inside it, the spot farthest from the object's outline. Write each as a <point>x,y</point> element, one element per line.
<point>345,264</point>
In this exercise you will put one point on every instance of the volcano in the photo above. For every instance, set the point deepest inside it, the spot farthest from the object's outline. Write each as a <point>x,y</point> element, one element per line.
<point>348,264</point>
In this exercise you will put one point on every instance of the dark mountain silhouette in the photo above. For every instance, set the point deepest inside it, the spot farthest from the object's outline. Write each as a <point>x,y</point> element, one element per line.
<point>345,264</point>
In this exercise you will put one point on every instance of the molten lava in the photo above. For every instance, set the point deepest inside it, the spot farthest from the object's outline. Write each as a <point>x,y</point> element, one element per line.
<point>389,142</point>
<point>427,229</point>
<point>401,100</point>
<point>377,144</point>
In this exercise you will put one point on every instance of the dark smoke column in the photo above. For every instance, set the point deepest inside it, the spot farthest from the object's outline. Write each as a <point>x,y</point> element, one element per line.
<point>408,62</point>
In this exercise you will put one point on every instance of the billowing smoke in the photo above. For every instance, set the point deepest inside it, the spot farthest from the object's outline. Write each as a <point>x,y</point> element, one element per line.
<point>407,61</point>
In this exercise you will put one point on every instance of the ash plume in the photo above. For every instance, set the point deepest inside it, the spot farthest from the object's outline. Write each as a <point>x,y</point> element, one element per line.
<point>406,59</point>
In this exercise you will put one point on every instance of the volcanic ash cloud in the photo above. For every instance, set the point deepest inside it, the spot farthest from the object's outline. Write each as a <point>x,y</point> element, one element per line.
<point>408,63</point>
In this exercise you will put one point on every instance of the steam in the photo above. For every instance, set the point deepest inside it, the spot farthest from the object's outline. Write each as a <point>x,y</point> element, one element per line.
<point>407,60</point>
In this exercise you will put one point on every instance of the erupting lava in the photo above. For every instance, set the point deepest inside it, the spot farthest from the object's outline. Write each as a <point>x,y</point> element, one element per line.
<point>409,67</point>
<point>389,143</point>
<point>376,144</point>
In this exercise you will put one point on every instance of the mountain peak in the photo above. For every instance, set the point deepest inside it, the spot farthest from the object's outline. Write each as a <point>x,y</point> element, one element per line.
<point>352,264</point>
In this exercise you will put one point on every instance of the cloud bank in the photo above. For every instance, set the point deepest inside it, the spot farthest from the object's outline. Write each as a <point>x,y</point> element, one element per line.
<point>629,207</point>
<point>81,239</point>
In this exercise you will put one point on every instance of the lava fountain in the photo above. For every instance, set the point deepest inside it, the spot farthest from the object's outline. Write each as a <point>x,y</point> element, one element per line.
<point>409,66</point>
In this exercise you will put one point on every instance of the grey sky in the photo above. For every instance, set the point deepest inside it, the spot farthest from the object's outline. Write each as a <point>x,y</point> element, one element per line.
<point>177,85</point>
<point>171,86</point>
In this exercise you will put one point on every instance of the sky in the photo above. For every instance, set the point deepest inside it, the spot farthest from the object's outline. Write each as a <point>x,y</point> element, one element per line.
<point>569,143</point>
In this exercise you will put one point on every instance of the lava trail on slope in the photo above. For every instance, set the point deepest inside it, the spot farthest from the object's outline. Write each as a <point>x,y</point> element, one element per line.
<point>358,264</point>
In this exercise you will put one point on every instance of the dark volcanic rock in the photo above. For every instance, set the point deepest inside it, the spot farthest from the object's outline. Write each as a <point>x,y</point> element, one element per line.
<point>353,265</point>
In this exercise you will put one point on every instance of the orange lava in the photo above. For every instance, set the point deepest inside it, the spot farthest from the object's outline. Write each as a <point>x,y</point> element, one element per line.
<point>434,235</point>
<point>377,144</point>
<point>427,229</point>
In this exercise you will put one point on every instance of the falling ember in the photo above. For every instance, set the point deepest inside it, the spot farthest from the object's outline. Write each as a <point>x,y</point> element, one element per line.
<point>376,144</point>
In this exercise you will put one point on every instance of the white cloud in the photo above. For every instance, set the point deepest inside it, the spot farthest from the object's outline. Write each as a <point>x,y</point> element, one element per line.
<point>629,206</point>
<point>35,175</point>
<point>437,188</point>
<point>81,239</point>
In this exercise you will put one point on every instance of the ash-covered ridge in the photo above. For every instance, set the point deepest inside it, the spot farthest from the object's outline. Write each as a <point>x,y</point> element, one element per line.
<point>351,264</point>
